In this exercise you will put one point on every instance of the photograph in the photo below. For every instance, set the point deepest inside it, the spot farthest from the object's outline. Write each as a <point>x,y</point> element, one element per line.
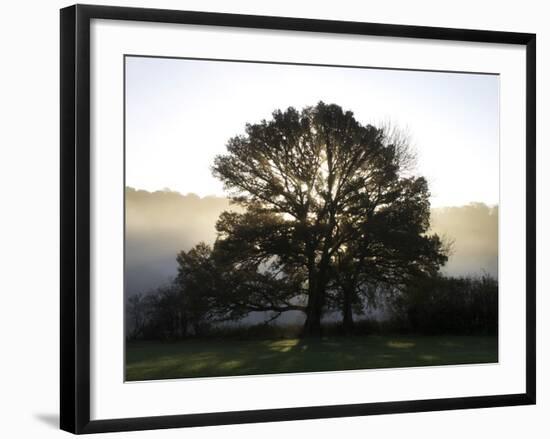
<point>285,218</point>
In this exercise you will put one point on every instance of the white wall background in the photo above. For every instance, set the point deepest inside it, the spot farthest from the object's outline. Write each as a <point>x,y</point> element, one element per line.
<point>29,249</point>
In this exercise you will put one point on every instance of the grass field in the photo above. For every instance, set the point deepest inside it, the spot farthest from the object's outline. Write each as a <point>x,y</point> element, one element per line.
<point>213,357</point>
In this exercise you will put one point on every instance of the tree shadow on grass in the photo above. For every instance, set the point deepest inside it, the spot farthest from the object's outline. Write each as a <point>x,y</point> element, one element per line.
<point>261,357</point>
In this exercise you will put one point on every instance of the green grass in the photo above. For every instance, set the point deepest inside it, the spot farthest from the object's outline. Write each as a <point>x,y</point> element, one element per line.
<point>214,357</point>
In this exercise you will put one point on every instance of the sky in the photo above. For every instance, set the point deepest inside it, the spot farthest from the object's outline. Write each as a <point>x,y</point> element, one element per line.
<point>180,114</point>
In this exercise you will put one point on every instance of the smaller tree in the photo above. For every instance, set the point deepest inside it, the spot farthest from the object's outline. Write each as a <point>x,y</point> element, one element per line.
<point>168,315</point>
<point>136,316</point>
<point>157,314</point>
<point>198,283</point>
<point>449,305</point>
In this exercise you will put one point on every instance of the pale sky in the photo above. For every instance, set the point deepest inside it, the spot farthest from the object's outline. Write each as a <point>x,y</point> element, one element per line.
<point>180,114</point>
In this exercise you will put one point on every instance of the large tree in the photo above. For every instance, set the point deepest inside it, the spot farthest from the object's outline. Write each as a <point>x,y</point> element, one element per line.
<point>317,186</point>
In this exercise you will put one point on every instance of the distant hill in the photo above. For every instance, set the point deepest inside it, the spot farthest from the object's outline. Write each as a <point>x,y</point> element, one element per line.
<point>160,224</point>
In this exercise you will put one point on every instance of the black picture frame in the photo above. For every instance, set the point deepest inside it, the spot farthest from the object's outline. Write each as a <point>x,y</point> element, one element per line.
<point>75,217</point>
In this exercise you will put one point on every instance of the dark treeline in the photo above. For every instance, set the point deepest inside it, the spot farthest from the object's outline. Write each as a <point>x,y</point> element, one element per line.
<point>448,305</point>
<point>435,305</point>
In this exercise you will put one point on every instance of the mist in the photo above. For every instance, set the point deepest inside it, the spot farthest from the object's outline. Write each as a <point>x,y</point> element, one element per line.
<point>472,231</point>
<point>160,224</point>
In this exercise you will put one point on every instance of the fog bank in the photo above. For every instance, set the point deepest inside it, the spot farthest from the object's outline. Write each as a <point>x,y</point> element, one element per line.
<point>162,223</point>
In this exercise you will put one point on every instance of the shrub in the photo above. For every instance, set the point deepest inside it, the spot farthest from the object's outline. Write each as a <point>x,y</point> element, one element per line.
<point>449,305</point>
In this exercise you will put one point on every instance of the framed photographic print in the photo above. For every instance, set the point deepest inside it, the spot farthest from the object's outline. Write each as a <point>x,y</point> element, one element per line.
<point>268,218</point>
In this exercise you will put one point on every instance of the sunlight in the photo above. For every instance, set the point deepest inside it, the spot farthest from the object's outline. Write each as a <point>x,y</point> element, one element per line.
<point>284,345</point>
<point>401,344</point>
<point>429,357</point>
<point>230,364</point>
<point>449,344</point>
<point>323,169</point>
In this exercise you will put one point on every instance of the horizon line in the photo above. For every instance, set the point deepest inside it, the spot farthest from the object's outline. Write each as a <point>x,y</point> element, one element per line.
<point>168,190</point>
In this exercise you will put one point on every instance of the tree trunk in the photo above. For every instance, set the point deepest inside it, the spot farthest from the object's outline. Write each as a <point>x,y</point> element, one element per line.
<point>314,310</point>
<point>312,326</point>
<point>347,322</point>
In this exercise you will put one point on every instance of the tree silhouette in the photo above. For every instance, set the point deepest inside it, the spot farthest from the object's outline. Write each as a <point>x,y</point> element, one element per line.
<point>323,197</point>
<point>198,281</point>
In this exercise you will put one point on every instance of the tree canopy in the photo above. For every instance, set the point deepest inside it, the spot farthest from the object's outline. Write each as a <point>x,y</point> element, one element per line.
<point>327,208</point>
